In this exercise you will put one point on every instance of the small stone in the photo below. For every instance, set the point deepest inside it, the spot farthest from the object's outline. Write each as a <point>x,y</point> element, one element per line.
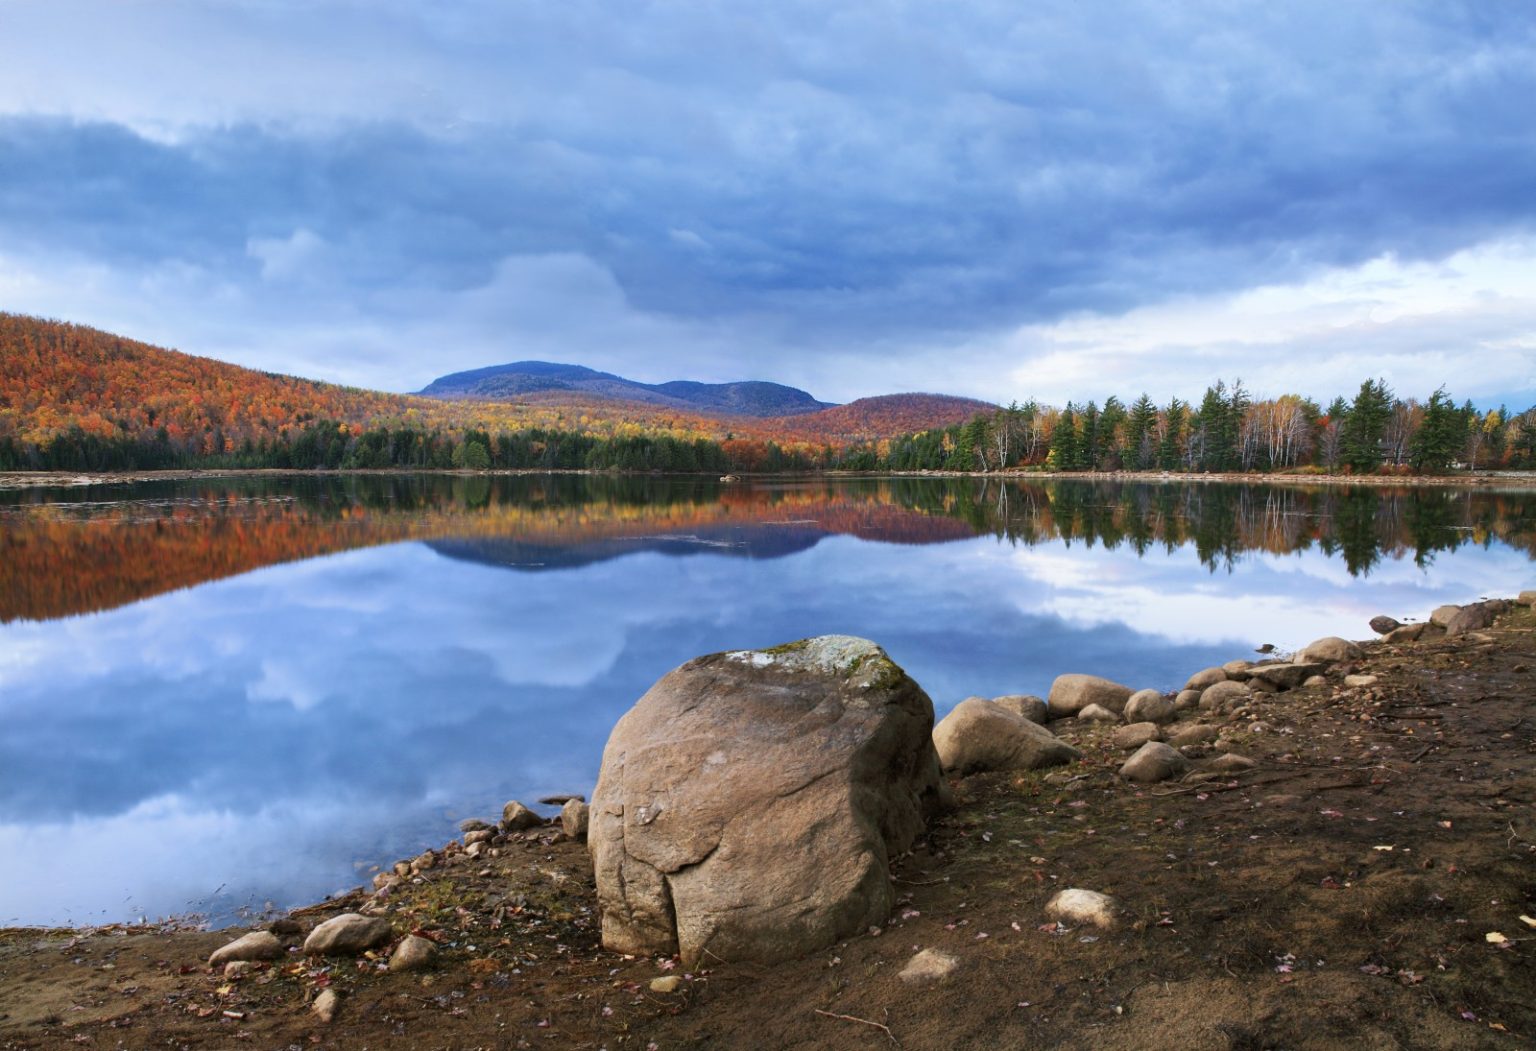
<point>1075,905</point>
<point>402,869</point>
<point>286,928</point>
<point>1097,713</point>
<point>1214,698</point>
<point>1153,761</point>
<point>667,984</point>
<point>515,817</point>
<point>573,819</point>
<point>1316,680</point>
<point>1231,763</point>
<point>237,968</point>
<point>258,945</point>
<point>930,965</point>
<point>412,954</point>
<point>1025,705</point>
<point>473,824</point>
<point>1258,685</point>
<point>1361,680</point>
<point>424,861</point>
<point>561,799</point>
<point>479,835</point>
<point>326,1005</point>
<point>1406,633</point>
<point>1384,625</point>
<point>1284,676</point>
<point>347,935</point>
<point>1186,700</point>
<point>477,848</point>
<point>1137,734</point>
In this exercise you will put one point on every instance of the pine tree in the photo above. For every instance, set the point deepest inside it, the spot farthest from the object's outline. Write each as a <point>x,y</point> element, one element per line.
<point>1066,451</point>
<point>1360,440</point>
<point>1138,433</point>
<point>1439,437</point>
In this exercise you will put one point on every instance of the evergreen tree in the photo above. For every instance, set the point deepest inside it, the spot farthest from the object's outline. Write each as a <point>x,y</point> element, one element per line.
<point>1439,437</point>
<point>1139,428</point>
<point>1066,452</point>
<point>1360,439</point>
<point>1170,449</point>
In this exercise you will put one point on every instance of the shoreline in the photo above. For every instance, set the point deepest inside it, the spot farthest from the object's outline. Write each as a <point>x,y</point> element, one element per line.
<point>1513,480</point>
<point>1349,884</point>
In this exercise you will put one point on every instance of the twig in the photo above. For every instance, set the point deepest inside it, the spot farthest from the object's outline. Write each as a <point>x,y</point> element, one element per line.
<point>862,1021</point>
<point>1421,753</point>
<point>1206,786</point>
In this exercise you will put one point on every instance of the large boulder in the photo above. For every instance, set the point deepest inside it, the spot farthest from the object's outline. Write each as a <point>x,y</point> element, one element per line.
<point>980,735</point>
<point>258,945</point>
<point>1149,706</point>
<point>1208,677</point>
<point>1284,676</point>
<point>1477,616</point>
<point>1441,616</point>
<point>750,802</point>
<point>1222,695</point>
<point>1329,650</point>
<point>347,935</point>
<point>1385,625</point>
<point>1026,704</point>
<point>1070,694</point>
<point>1526,598</point>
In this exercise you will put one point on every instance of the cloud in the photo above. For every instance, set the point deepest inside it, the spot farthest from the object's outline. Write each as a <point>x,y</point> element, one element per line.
<point>823,191</point>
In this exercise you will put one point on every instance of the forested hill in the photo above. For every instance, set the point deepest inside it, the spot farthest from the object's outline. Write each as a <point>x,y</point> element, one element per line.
<point>746,398</point>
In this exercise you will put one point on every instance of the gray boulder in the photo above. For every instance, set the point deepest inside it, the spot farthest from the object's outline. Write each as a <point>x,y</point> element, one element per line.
<point>1194,735</point>
<point>1328,650</point>
<point>1148,706</point>
<point>258,945</point>
<point>1383,625</point>
<point>1186,700</point>
<point>515,817</point>
<point>1154,761</point>
<point>1285,676</point>
<point>1208,677</point>
<point>1131,737</point>
<point>1442,615</point>
<point>347,935</point>
<point>1475,617</point>
<point>574,818</point>
<point>1214,698</point>
<point>1406,633</point>
<point>412,954</point>
<point>980,735</point>
<point>750,802</point>
<point>1027,705</point>
<point>1237,671</point>
<point>1070,694</point>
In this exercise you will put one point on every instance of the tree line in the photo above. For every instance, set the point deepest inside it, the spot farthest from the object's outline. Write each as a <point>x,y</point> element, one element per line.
<point>1229,430</point>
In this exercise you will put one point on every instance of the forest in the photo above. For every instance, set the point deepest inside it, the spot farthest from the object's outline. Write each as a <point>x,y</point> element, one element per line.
<point>73,398</point>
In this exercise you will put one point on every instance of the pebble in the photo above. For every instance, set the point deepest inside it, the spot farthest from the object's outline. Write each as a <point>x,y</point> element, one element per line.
<point>258,945</point>
<point>668,984</point>
<point>930,965</point>
<point>325,1005</point>
<point>413,953</point>
<point>1361,680</point>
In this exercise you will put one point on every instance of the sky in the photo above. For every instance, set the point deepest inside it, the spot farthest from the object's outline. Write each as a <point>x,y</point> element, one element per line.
<point>1053,200</point>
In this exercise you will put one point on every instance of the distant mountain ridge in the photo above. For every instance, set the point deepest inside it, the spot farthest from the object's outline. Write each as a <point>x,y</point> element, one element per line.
<point>744,398</point>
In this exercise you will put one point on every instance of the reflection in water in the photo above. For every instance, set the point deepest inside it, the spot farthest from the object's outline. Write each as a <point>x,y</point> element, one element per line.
<point>78,551</point>
<point>272,733</point>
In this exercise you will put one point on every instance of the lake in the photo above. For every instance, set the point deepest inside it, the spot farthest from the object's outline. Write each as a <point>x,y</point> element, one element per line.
<point>243,693</point>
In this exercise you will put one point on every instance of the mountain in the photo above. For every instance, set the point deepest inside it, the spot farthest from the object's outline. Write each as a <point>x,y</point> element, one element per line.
<point>748,398</point>
<point>887,415</point>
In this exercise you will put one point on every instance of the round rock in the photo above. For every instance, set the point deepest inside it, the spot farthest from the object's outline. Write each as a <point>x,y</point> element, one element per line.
<point>1154,761</point>
<point>1026,705</point>
<point>347,935</point>
<point>1135,735</point>
<point>1097,713</point>
<point>980,735</point>
<point>1075,905</point>
<point>412,954</point>
<point>1070,694</point>
<point>1148,706</point>
<point>1208,677</point>
<point>930,965</point>
<point>1383,624</point>
<point>258,945</point>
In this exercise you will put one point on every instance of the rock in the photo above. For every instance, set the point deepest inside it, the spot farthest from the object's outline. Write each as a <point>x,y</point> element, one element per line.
<point>1148,706</point>
<point>286,928</point>
<point>1360,680</point>
<point>473,824</point>
<point>412,954</point>
<point>1526,598</point>
<point>1153,761</point>
<point>237,968</point>
<point>347,935</point>
<point>1137,734</point>
<point>668,984</point>
<point>477,848</point>
<point>1209,677</point>
<point>1475,617</point>
<point>258,945</point>
<point>1075,905</point>
<point>326,1005</point>
<point>561,798</point>
<point>479,835</point>
<point>1212,698</point>
<point>573,819</point>
<point>1406,633</point>
<point>1383,625</point>
<point>930,965</point>
<point>979,735</point>
<point>1258,685</point>
<point>1026,705</point>
<point>1186,700</point>
<point>1329,650</point>
<point>1237,671</point>
<point>1200,734</point>
<point>424,861</point>
<point>1097,713</point>
<point>515,817</point>
<point>1442,615</point>
<point>1230,763</point>
<point>750,802</point>
<point>1285,676</point>
<point>1070,694</point>
<point>1316,680</point>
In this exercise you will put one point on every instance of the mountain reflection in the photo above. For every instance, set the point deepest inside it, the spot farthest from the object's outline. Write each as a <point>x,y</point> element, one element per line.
<point>71,551</point>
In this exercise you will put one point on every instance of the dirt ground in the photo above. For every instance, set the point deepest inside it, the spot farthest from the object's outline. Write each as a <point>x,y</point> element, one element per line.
<point>1370,884</point>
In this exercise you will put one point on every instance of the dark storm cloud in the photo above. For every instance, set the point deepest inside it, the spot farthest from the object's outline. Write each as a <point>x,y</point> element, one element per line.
<point>882,181</point>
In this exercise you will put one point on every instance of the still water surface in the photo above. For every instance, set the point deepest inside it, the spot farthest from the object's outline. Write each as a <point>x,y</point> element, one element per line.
<point>247,692</point>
